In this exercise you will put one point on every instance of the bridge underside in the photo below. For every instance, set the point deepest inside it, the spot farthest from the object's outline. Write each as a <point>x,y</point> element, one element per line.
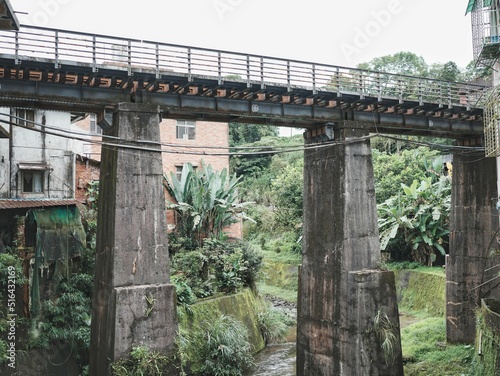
<point>36,84</point>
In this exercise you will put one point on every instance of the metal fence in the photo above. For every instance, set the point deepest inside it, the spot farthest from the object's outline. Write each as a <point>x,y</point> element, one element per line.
<point>98,52</point>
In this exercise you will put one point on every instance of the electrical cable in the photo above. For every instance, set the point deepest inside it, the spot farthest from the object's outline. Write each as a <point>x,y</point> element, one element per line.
<point>276,149</point>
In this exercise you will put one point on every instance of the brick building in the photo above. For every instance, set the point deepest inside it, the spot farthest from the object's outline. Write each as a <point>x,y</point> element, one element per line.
<point>185,141</point>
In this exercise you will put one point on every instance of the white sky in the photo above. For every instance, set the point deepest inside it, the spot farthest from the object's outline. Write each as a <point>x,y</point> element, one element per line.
<point>337,32</point>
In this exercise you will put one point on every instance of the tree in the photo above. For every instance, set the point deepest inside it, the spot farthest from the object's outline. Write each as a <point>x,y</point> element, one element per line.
<point>240,133</point>
<point>406,63</point>
<point>287,194</point>
<point>393,169</point>
<point>446,72</point>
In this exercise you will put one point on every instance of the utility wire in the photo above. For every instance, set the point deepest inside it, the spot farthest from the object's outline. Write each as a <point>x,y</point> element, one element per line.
<point>261,150</point>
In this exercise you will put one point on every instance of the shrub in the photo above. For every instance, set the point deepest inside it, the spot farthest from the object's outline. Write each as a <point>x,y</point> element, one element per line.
<point>192,268</point>
<point>143,362</point>
<point>67,316</point>
<point>220,348</point>
<point>217,266</point>
<point>417,219</point>
<point>273,324</point>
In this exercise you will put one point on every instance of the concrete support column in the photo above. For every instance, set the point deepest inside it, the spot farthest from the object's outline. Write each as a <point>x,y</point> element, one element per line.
<point>342,291</point>
<point>471,267</point>
<point>133,302</point>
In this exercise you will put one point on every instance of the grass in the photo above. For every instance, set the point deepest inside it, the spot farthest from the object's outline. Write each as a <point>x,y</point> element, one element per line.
<point>426,352</point>
<point>284,257</point>
<point>414,266</point>
<point>284,294</point>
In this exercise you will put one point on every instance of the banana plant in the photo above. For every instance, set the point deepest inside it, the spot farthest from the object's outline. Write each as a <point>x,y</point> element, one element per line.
<point>205,200</point>
<point>417,219</point>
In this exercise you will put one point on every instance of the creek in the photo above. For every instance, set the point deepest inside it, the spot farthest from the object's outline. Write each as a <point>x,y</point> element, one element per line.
<point>275,360</point>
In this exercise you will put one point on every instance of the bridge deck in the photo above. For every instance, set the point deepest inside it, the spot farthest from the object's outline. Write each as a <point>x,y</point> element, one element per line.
<point>64,70</point>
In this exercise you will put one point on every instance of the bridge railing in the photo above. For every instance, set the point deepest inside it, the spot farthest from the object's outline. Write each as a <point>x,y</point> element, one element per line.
<point>68,48</point>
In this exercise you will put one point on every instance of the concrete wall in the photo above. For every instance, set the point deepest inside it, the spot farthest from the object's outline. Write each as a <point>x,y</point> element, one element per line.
<point>241,306</point>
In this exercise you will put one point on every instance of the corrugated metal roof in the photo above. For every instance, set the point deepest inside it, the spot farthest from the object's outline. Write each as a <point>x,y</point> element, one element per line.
<point>33,203</point>
<point>8,19</point>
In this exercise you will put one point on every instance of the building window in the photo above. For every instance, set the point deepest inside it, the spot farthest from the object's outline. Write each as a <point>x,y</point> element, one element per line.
<point>32,181</point>
<point>178,171</point>
<point>186,130</point>
<point>24,118</point>
<point>94,128</point>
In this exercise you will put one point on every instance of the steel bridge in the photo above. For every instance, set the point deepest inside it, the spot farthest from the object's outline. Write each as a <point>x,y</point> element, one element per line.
<point>82,73</point>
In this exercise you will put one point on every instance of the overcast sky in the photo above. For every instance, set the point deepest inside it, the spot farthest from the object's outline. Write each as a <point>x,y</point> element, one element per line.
<point>337,32</point>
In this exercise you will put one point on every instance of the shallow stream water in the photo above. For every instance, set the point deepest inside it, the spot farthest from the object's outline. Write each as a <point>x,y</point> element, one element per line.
<point>275,360</point>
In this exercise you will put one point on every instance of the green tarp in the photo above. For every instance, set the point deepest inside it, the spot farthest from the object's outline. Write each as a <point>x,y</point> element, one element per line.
<point>59,237</point>
<point>473,4</point>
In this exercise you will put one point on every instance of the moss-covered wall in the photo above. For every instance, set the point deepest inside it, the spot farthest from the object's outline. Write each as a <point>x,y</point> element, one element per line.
<point>241,306</point>
<point>487,362</point>
<point>421,291</point>
<point>281,275</point>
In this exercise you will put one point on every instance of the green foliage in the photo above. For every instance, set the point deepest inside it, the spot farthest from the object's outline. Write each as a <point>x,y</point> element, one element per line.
<point>192,268</point>
<point>446,72</point>
<point>220,348</point>
<point>67,316</point>
<point>404,265</point>
<point>406,63</point>
<point>10,265</point>
<point>240,133</point>
<point>288,193</point>
<point>287,242</point>
<point>387,334</point>
<point>273,324</point>
<point>391,170</point>
<point>417,219</point>
<point>89,213</point>
<point>142,362</point>
<point>426,352</point>
<point>215,267</point>
<point>206,201</point>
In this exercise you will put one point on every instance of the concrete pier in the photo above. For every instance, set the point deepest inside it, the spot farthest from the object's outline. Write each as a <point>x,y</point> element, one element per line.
<point>342,291</point>
<point>133,303</point>
<point>470,267</point>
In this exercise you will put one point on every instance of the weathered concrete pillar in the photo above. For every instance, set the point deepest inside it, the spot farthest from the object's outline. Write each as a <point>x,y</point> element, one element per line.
<point>133,302</point>
<point>473,226</point>
<point>347,305</point>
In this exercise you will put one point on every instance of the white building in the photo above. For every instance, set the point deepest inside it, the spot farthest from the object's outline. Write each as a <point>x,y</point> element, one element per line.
<point>34,162</point>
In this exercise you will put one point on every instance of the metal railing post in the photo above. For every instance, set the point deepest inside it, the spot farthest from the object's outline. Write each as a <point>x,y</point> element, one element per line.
<point>219,68</point>
<point>288,79</point>
<point>94,54</point>
<point>337,76</point>
<point>379,88</point>
<point>129,58</point>
<point>361,83</point>
<point>248,71</point>
<point>314,79</point>
<point>56,63</point>
<point>17,61</point>
<point>190,78</point>
<point>158,61</point>
<point>262,85</point>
